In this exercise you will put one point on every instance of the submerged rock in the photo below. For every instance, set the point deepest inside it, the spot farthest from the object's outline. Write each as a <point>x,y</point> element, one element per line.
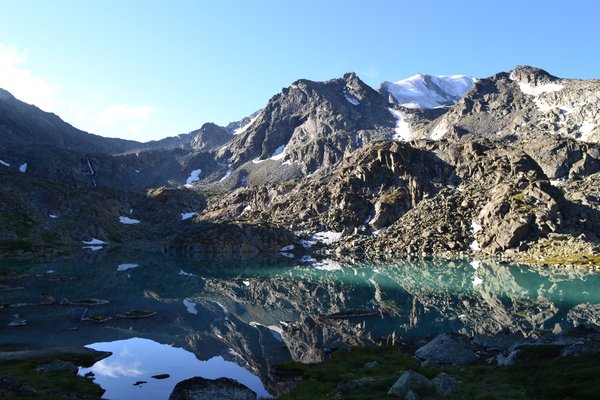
<point>207,389</point>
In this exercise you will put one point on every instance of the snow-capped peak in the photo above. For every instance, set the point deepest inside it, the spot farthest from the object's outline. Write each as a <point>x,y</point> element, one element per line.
<point>428,91</point>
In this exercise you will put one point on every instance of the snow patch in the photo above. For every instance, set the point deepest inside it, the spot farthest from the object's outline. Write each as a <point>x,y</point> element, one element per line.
<point>94,241</point>
<point>427,91</point>
<point>475,264</point>
<point>326,237</point>
<point>532,90</point>
<point>351,99</point>
<point>125,267</point>
<point>402,129</point>
<point>188,215</point>
<point>190,306</point>
<point>379,231</point>
<point>23,167</point>
<point>475,246</point>
<point>194,177</point>
<point>222,308</point>
<point>279,153</point>
<point>276,331</point>
<point>243,129</point>
<point>476,227</point>
<point>183,273</point>
<point>477,281</point>
<point>288,255</point>
<point>128,221</point>
<point>52,216</point>
<point>93,248</point>
<point>246,283</point>
<point>586,130</point>
<point>4,163</point>
<point>440,130</point>
<point>226,175</point>
<point>307,259</point>
<point>287,248</point>
<point>328,265</point>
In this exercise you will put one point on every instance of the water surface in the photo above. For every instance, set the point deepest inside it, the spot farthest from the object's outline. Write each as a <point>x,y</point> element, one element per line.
<point>238,318</point>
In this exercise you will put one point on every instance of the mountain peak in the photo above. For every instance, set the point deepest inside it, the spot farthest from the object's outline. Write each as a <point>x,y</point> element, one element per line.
<point>5,95</point>
<point>427,91</point>
<point>532,75</point>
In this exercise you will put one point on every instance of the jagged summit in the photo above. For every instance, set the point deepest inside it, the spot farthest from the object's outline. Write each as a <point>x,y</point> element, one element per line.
<point>532,75</point>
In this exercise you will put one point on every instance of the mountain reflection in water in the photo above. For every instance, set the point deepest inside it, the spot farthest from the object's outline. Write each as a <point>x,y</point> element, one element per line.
<point>260,312</point>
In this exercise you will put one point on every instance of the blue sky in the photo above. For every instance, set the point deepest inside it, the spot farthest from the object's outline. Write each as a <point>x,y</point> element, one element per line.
<point>145,69</point>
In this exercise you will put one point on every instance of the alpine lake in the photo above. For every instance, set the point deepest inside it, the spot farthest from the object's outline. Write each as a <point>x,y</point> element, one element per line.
<point>167,319</point>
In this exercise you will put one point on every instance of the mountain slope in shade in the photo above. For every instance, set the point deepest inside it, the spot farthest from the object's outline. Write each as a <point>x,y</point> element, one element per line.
<point>427,91</point>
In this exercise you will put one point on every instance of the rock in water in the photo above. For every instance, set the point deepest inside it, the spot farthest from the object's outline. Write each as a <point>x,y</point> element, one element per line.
<point>207,389</point>
<point>445,349</point>
<point>409,381</point>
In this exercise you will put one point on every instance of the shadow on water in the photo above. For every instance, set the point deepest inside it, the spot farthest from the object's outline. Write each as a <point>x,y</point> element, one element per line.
<point>258,312</point>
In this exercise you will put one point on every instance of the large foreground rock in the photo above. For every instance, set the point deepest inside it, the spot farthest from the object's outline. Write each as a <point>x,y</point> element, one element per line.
<point>409,381</point>
<point>207,389</point>
<point>445,349</point>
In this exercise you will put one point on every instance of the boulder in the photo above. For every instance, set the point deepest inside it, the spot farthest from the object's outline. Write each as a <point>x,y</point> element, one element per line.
<point>207,389</point>
<point>445,349</point>
<point>444,384</point>
<point>409,381</point>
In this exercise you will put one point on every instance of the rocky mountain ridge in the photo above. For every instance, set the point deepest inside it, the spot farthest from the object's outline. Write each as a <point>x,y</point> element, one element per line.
<point>506,167</point>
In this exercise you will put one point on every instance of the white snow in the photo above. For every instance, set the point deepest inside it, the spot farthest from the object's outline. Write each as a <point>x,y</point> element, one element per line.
<point>190,306</point>
<point>476,227</point>
<point>93,248</point>
<point>242,129</point>
<point>326,237</point>
<point>477,281</point>
<point>379,231</point>
<point>276,331</point>
<point>288,255</point>
<point>351,99</point>
<point>327,265</point>
<point>222,308</point>
<point>427,91</point>
<point>307,259</point>
<point>23,167</point>
<point>52,216</point>
<point>4,163</point>
<point>586,129</point>
<point>279,153</point>
<point>246,283</point>
<point>194,177</point>
<point>125,267</point>
<point>529,89</point>
<point>188,215</point>
<point>440,130</point>
<point>402,129</point>
<point>287,248</point>
<point>475,246</point>
<point>226,175</point>
<point>128,221</point>
<point>475,264</point>
<point>183,273</point>
<point>558,182</point>
<point>93,241</point>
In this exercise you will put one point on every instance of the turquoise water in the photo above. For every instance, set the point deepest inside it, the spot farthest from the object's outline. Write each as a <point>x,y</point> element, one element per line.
<point>231,317</point>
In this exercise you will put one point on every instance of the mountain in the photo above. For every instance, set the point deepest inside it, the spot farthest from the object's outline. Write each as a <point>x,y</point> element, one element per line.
<point>428,165</point>
<point>427,91</point>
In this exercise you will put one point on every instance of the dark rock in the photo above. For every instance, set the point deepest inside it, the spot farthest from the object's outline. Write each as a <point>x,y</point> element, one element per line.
<point>57,365</point>
<point>206,389</point>
<point>446,349</point>
<point>160,376</point>
<point>444,384</point>
<point>349,386</point>
<point>409,381</point>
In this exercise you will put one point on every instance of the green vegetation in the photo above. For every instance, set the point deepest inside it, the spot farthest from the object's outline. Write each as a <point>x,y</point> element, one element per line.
<point>539,374</point>
<point>48,385</point>
<point>579,259</point>
<point>390,198</point>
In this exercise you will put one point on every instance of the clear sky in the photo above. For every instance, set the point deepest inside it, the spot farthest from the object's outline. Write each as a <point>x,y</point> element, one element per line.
<point>146,69</point>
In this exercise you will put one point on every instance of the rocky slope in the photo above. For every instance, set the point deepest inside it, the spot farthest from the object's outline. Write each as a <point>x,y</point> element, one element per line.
<point>413,168</point>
